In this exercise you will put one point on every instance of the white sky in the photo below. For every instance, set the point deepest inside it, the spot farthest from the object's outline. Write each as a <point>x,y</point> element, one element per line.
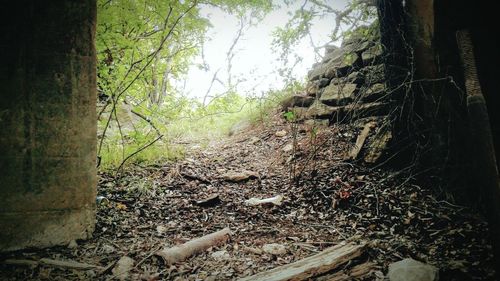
<point>254,59</point>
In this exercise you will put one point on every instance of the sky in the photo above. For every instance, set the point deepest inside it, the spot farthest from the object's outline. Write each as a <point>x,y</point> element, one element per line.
<point>255,59</point>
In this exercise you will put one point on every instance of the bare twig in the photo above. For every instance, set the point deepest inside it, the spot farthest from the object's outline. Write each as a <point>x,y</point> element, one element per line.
<point>136,152</point>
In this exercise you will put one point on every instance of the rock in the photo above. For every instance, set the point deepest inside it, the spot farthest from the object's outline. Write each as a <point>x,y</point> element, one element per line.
<point>123,267</point>
<point>72,244</point>
<point>314,123</point>
<point>281,133</point>
<point>355,77</point>
<point>299,112</point>
<point>354,39</point>
<point>378,146</point>
<point>108,249</point>
<point>322,111</point>
<point>338,63</point>
<point>161,229</point>
<point>317,72</point>
<point>254,140</point>
<point>338,94</point>
<point>412,270</point>
<point>330,48</point>
<point>274,249</point>
<point>360,123</point>
<point>342,65</point>
<point>234,176</point>
<point>373,74</point>
<point>373,55</point>
<point>373,93</point>
<point>222,255</point>
<point>313,87</point>
<point>252,250</point>
<point>287,148</point>
<point>369,109</point>
<point>333,55</point>
<point>297,100</point>
<point>323,82</point>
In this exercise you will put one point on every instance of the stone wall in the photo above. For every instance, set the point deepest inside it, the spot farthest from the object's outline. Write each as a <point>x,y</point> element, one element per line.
<point>348,85</point>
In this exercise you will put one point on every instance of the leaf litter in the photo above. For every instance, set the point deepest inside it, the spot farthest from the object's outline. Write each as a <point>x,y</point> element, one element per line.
<point>325,200</point>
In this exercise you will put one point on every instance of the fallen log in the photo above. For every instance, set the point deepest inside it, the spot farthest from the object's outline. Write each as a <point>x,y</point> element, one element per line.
<point>360,141</point>
<point>193,247</point>
<point>358,271</point>
<point>312,266</point>
<point>50,262</point>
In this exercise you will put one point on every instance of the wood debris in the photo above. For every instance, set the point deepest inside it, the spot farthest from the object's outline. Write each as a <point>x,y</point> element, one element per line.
<point>400,218</point>
<point>193,247</point>
<point>276,200</point>
<point>312,266</point>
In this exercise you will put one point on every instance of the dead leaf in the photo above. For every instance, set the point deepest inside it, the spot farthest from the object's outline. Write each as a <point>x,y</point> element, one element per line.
<point>121,206</point>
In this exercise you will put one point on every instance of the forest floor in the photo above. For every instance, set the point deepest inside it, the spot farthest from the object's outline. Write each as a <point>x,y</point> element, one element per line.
<point>326,200</point>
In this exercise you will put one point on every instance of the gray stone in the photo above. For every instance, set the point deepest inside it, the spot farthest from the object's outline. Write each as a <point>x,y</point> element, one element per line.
<point>297,100</point>
<point>321,110</point>
<point>312,88</point>
<point>239,176</point>
<point>317,72</point>
<point>333,55</point>
<point>379,144</point>
<point>314,123</point>
<point>359,46</point>
<point>374,92</point>
<point>338,63</point>
<point>287,148</point>
<point>372,55</point>
<point>323,82</point>
<point>338,94</point>
<point>368,109</point>
<point>412,270</point>
<point>329,49</point>
<point>299,112</point>
<point>355,77</point>
<point>221,255</point>
<point>373,74</point>
<point>274,249</point>
<point>352,40</point>
<point>341,66</point>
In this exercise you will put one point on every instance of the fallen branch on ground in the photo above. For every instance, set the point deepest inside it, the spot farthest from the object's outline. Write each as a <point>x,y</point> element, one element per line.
<point>51,262</point>
<point>311,266</point>
<point>276,200</point>
<point>193,247</point>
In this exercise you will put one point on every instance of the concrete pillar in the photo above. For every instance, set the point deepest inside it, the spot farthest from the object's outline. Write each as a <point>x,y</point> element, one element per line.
<point>47,122</point>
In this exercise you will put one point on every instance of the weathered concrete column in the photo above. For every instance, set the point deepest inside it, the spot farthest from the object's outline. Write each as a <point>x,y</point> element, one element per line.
<point>47,122</point>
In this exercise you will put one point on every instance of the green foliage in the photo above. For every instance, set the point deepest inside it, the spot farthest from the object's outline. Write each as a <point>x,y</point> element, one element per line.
<point>355,14</point>
<point>143,48</point>
<point>365,31</point>
<point>289,116</point>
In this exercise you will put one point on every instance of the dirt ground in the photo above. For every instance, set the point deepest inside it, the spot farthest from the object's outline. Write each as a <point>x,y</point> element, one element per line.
<point>326,200</point>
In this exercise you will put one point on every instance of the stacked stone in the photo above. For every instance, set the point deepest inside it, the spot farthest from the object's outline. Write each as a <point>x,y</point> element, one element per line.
<point>347,84</point>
